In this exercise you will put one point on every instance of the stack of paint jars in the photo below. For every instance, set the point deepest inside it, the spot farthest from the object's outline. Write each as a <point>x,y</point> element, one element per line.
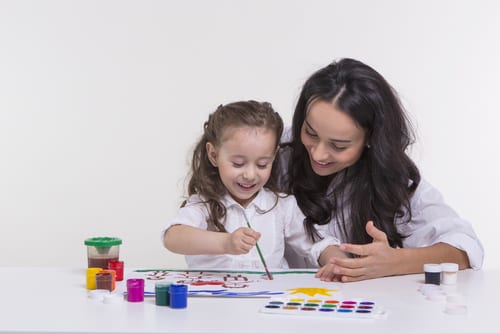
<point>104,265</point>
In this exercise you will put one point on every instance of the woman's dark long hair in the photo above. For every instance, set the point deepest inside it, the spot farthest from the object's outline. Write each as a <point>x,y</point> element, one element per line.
<point>379,185</point>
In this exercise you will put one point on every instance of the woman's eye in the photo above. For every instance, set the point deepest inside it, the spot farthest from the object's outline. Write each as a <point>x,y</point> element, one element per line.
<point>310,134</point>
<point>338,148</point>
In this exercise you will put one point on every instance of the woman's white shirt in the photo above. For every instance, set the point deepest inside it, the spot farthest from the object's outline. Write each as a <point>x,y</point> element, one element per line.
<point>432,222</point>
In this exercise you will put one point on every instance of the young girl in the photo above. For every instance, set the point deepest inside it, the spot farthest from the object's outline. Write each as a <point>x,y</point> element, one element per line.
<point>232,187</point>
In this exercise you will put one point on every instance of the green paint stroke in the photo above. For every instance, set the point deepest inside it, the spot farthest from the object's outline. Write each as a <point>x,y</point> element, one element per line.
<point>283,272</point>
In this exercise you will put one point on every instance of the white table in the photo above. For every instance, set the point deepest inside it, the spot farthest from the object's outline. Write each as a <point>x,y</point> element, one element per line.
<point>41,300</point>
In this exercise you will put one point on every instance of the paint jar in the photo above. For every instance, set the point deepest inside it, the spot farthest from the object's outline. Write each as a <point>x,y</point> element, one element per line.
<point>432,273</point>
<point>91,272</point>
<point>105,280</point>
<point>135,290</point>
<point>178,295</point>
<point>117,266</point>
<point>162,294</point>
<point>101,250</point>
<point>449,273</point>
<point>113,277</point>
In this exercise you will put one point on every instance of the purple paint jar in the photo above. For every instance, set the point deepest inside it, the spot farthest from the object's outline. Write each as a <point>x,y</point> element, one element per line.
<point>135,290</point>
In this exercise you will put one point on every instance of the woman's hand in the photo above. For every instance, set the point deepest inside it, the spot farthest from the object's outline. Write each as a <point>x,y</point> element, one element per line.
<point>241,241</point>
<point>376,259</point>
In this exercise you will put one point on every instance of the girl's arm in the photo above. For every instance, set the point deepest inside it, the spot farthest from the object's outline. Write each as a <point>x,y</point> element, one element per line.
<point>188,240</point>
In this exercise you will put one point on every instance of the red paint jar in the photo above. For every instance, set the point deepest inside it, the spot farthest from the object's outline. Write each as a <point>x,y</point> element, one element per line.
<point>117,266</point>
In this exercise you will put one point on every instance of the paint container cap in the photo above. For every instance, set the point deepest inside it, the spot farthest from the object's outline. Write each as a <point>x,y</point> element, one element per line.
<point>436,296</point>
<point>103,244</point>
<point>455,309</point>
<point>98,294</point>
<point>455,298</point>
<point>112,298</point>
<point>429,288</point>
<point>432,268</point>
<point>449,267</point>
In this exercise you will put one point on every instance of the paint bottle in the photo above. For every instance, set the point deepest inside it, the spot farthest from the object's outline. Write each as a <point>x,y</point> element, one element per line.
<point>432,273</point>
<point>449,273</point>
<point>113,277</point>
<point>178,295</point>
<point>104,281</point>
<point>117,266</point>
<point>135,290</point>
<point>162,294</point>
<point>91,272</point>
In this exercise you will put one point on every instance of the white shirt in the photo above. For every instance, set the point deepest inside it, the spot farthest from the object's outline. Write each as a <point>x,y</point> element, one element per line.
<point>433,221</point>
<point>282,225</point>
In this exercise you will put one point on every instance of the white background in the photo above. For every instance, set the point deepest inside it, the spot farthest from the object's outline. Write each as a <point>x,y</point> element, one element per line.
<point>102,101</point>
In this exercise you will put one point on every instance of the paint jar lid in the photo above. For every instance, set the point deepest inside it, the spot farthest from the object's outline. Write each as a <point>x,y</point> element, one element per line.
<point>103,241</point>
<point>135,283</point>
<point>432,268</point>
<point>98,294</point>
<point>456,309</point>
<point>178,288</point>
<point>162,287</point>
<point>112,298</point>
<point>447,267</point>
<point>103,244</point>
<point>115,264</point>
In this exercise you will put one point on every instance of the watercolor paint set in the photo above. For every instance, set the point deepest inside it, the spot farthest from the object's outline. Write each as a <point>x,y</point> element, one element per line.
<point>323,307</point>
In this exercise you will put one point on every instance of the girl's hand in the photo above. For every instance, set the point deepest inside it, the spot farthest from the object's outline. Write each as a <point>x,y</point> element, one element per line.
<point>241,241</point>
<point>327,271</point>
<point>376,259</point>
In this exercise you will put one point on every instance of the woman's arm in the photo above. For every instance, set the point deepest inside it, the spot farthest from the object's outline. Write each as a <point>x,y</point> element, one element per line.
<point>378,259</point>
<point>188,240</point>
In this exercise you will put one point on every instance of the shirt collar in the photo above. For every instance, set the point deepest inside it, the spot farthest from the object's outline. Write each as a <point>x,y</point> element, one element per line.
<point>264,200</point>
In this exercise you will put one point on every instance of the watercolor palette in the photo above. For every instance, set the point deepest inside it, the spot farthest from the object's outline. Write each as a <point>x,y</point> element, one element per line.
<point>324,307</point>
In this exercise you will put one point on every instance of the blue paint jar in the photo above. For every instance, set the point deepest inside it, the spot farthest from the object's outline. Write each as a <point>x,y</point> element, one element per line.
<point>178,295</point>
<point>432,273</point>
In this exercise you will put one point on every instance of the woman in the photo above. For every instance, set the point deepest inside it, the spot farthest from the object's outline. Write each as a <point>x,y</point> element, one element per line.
<point>348,168</point>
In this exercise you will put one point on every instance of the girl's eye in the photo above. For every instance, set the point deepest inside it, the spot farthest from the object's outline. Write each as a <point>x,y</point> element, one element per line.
<point>262,166</point>
<point>237,165</point>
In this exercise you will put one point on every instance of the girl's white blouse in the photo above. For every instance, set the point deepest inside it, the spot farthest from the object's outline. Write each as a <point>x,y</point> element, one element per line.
<point>279,227</point>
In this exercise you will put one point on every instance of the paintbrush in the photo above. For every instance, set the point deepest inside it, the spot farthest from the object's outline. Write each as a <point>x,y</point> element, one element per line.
<point>268,274</point>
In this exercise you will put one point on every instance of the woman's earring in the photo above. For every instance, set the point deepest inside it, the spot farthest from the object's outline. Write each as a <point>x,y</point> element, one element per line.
<point>368,145</point>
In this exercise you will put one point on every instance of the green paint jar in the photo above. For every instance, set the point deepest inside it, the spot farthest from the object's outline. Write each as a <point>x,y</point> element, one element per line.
<point>162,294</point>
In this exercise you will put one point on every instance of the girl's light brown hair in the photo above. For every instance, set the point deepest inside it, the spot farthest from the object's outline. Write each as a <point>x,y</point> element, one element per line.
<point>204,177</point>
